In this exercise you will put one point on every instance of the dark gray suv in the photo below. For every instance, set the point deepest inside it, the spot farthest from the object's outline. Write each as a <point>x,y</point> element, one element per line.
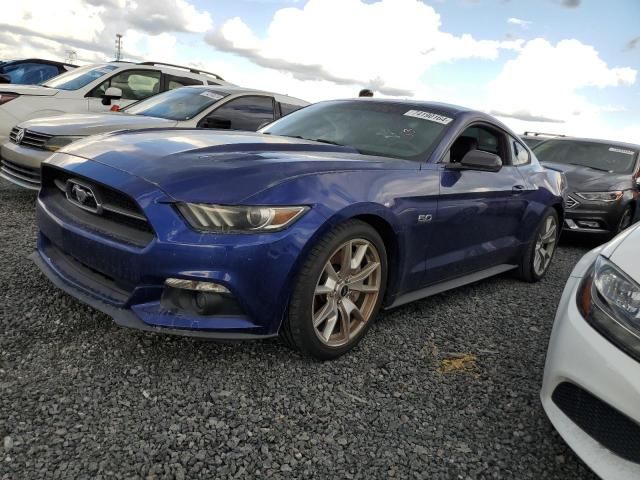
<point>603,180</point>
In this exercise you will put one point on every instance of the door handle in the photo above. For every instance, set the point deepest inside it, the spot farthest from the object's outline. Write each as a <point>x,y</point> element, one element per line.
<point>518,188</point>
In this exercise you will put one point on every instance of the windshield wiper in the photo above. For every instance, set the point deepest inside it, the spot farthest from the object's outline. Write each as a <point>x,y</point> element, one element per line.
<point>592,168</point>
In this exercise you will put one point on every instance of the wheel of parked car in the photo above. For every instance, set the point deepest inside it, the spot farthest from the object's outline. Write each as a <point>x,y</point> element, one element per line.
<point>338,291</point>
<point>537,258</point>
<point>625,220</point>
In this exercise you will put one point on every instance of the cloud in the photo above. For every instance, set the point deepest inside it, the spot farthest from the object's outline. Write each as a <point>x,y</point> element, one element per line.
<point>571,3</point>
<point>519,22</point>
<point>633,43</point>
<point>386,45</point>
<point>544,83</point>
<point>89,26</point>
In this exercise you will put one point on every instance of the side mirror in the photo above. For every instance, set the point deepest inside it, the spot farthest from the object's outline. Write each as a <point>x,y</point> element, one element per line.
<point>216,122</point>
<point>110,94</point>
<point>478,160</point>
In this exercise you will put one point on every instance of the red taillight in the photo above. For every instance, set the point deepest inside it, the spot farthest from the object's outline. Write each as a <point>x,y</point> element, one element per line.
<point>7,97</point>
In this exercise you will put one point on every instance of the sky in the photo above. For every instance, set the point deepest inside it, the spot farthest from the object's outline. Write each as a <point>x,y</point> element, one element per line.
<point>557,66</point>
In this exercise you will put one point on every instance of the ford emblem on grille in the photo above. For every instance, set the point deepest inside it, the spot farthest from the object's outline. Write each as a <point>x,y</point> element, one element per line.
<point>83,196</point>
<point>19,135</point>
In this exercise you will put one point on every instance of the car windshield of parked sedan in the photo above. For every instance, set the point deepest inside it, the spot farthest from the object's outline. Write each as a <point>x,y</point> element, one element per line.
<point>179,104</point>
<point>79,77</point>
<point>373,128</point>
<point>597,156</point>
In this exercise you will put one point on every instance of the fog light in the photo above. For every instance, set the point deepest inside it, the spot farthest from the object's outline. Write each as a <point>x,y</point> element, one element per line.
<point>196,285</point>
<point>198,298</point>
<point>588,223</point>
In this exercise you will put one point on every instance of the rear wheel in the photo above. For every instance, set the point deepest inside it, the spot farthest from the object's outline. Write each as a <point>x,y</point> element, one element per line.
<point>537,258</point>
<point>338,292</point>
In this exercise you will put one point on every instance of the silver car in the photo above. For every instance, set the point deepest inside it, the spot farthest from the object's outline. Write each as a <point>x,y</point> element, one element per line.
<point>218,107</point>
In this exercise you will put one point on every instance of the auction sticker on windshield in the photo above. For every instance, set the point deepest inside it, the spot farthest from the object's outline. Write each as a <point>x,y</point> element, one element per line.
<point>432,117</point>
<point>215,96</point>
<point>619,150</point>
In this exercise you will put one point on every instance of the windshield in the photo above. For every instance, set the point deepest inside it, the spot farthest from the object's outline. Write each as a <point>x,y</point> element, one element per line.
<point>598,156</point>
<point>373,128</point>
<point>79,77</point>
<point>179,104</point>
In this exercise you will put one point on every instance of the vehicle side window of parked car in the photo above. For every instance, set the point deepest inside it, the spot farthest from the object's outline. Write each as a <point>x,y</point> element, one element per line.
<point>287,108</point>
<point>177,82</point>
<point>477,137</point>
<point>519,154</point>
<point>135,84</point>
<point>30,73</point>
<point>242,113</point>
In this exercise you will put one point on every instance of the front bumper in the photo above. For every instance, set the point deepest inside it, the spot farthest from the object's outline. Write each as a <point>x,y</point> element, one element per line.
<point>579,356</point>
<point>127,281</point>
<point>601,217</point>
<point>21,165</point>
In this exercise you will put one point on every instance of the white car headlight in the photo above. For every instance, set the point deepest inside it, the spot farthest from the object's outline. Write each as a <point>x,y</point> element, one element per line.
<point>610,300</point>
<point>601,196</point>
<point>56,143</point>
<point>239,219</point>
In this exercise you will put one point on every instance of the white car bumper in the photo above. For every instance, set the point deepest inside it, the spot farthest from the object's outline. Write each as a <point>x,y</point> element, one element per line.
<point>581,356</point>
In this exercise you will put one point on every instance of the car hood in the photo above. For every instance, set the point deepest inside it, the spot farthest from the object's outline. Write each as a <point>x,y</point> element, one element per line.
<point>91,124</point>
<point>222,167</point>
<point>28,90</point>
<point>590,180</point>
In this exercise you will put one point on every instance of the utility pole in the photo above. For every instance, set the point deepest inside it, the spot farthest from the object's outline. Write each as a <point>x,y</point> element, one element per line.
<point>71,56</point>
<point>118,47</point>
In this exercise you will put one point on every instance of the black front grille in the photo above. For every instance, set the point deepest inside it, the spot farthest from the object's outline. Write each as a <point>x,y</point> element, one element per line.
<point>119,216</point>
<point>30,138</point>
<point>20,173</point>
<point>601,421</point>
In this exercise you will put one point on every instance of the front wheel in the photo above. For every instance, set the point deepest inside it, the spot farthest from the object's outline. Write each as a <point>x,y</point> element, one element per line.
<point>625,221</point>
<point>338,292</point>
<point>537,258</point>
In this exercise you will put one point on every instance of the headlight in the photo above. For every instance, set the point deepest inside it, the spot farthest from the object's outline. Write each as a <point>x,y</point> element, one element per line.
<point>610,301</point>
<point>222,219</point>
<point>601,196</point>
<point>56,143</point>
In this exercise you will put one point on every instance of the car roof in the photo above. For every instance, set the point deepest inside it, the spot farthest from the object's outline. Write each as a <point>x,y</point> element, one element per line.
<point>181,70</point>
<point>38,60</point>
<point>233,90</point>
<point>615,143</point>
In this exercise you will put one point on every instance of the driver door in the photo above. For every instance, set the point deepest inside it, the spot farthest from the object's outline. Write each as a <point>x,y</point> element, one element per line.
<point>479,212</point>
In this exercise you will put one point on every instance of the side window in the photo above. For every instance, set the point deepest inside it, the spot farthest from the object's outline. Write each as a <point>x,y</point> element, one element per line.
<point>519,154</point>
<point>135,84</point>
<point>245,113</point>
<point>287,108</point>
<point>478,137</point>
<point>177,82</point>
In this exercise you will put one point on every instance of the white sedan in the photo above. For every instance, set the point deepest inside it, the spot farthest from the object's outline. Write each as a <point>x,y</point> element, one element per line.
<point>591,387</point>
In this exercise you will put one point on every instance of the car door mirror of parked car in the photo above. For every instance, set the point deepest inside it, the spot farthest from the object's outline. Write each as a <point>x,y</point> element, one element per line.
<point>216,122</point>
<point>112,93</point>
<point>478,160</point>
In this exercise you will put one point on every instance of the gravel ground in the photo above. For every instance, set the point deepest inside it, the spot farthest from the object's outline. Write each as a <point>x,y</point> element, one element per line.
<point>83,398</point>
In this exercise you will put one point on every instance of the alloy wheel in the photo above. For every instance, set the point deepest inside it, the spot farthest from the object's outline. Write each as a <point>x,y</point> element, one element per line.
<point>346,292</point>
<point>545,245</point>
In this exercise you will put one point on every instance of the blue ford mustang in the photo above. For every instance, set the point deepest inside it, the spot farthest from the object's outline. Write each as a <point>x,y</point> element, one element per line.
<point>305,229</point>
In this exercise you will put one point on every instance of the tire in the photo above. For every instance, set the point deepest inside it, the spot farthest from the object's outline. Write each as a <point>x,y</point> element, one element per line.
<point>528,268</point>
<point>326,291</point>
<point>626,220</point>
